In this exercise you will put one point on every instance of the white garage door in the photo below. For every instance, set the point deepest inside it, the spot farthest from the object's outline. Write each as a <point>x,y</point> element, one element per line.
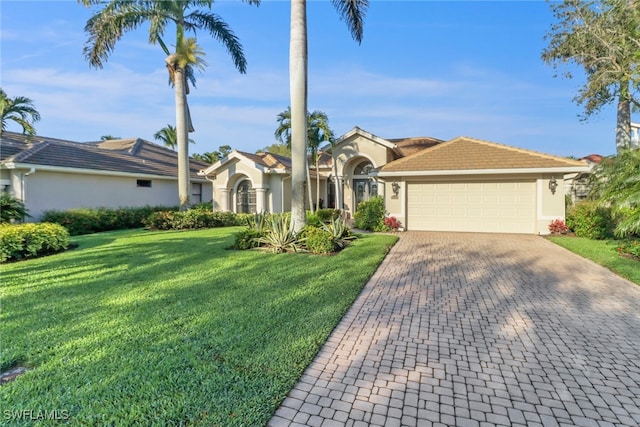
<point>493,207</point>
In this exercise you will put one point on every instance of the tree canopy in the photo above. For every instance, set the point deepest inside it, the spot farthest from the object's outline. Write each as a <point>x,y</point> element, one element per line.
<point>603,38</point>
<point>19,110</point>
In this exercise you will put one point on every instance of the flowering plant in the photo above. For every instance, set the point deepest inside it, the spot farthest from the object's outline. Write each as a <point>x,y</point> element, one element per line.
<point>558,227</point>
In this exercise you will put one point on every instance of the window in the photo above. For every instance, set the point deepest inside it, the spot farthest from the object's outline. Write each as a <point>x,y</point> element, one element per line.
<point>245,198</point>
<point>363,168</point>
<point>144,183</point>
<point>196,192</point>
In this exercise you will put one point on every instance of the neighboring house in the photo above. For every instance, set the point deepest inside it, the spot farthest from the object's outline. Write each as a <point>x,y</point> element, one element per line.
<point>578,185</point>
<point>48,173</point>
<point>464,184</point>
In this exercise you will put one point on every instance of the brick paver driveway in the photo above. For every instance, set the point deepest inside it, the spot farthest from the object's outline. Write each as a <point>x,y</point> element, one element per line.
<point>478,330</point>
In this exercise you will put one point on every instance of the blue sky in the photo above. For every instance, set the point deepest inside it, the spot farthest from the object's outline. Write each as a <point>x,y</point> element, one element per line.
<point>424,68</point>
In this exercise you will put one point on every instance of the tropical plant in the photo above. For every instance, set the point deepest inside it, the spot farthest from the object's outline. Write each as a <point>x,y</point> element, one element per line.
<point>617,185</point>
<point>281,236</point>
<point>603,37</point>
<point>11,209</point>
<point>19,110</point>
<point>352,11</point>
<point>339,232</point>
<point>116,17</point>
<point>108,137</point>
<point>213,156</point>
<point>277,148</point>
<point>168,136</point>
<point>318,131</point>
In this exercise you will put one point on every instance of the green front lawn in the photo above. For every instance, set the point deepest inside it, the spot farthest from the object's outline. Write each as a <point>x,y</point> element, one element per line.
<point>170,328</point>
<point>602,252</point>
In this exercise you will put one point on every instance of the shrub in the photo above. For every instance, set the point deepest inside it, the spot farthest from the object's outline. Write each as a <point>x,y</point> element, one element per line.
<point>630,248</point>
<point>557,226</point>
<point>11,209</point>
<point>370,214</point>
<point>589,219</point>
<point>191,220</point>
<point>87,221</point>
<point>30,240</point>
<point>392,223</point>
<point>248,239</point>
<point>313,220</point>
<point>319,241</point>
<point>327,215</point>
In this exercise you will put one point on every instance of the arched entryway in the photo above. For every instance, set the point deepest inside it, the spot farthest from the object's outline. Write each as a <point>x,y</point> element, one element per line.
<point>245,197</point>
<point>364,186</point>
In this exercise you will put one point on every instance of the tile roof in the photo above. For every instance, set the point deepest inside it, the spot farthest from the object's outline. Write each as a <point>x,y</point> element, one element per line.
<point>268,160</point>
<point>123,155</point>
<point>464,153</point>
<point>409,146</point>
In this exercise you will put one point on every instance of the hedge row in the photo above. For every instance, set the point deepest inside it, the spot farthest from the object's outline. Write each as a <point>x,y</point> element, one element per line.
<point>30,240</point>
<point>193,219</point>
<point>87,221</point>
<point>589,219</point>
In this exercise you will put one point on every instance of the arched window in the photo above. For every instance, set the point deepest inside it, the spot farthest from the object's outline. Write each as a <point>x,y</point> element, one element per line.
<point>245,198</point>
<point>363,168</point>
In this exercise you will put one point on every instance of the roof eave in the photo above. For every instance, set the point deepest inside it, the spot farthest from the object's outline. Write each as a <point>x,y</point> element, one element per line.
<point>63,169</point>
<point>568,169</point>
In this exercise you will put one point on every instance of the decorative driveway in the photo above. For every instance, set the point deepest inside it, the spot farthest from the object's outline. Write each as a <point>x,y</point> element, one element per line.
<point>461,329</point>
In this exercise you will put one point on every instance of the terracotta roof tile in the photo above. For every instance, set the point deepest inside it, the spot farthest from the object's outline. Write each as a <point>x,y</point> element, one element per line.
<point>466,153</point>
<point>409,146</point>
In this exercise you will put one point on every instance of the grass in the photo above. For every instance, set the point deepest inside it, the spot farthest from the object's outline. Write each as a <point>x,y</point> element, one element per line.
<point>602,252</point>
<point>170,328</point>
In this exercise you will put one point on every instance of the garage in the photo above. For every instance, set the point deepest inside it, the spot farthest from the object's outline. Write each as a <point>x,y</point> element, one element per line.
<point>491,207</point>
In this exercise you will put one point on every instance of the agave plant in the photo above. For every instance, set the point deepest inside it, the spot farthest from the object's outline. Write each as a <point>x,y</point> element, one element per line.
<point>281,237</point>
<point>339,231</point>
<point>258,222</point>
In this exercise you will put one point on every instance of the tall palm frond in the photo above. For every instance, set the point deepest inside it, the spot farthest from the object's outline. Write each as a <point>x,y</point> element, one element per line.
<point>117,17</point>
<point>19,110</point>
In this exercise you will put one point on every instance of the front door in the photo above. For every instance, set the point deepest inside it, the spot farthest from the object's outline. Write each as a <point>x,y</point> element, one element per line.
<point>364,189</point>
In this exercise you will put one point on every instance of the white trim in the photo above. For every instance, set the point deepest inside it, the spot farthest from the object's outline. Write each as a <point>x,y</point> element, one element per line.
<point>357,131</point>
<point>485,171</point>
<point>539,189</point>
<point>63,169</point>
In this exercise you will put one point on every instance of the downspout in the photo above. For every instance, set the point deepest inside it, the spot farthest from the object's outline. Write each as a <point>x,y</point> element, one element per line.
<point>23,182</point>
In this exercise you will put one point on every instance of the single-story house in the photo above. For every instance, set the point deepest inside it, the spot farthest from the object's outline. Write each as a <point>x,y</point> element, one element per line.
<point>47,173</point>
<point>464,184</point>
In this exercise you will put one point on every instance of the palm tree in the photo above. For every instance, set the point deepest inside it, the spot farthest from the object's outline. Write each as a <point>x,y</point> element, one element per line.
<point>168,136</point>
<point>352,11</point>
<point>19,110</point>
<point>318,131</point>
<point>116,17</point>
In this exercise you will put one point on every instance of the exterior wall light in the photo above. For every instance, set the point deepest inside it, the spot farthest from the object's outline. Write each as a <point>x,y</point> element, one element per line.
<point>553,185</point>
<point>395,187</point>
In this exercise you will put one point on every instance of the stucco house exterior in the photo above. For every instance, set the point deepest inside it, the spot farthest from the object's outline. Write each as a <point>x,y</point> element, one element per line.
<point>48,173</point>
<point>464,184</point>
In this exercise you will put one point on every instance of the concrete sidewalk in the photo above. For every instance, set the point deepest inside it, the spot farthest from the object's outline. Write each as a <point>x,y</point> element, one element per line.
<point>461,329</point>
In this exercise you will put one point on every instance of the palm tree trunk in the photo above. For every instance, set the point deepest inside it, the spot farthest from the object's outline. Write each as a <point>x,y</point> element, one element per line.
<point>317,183</point>
<point>623,123</point>
<point>309,193</point>
<point>182,137</point>
<point>298,94</point>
